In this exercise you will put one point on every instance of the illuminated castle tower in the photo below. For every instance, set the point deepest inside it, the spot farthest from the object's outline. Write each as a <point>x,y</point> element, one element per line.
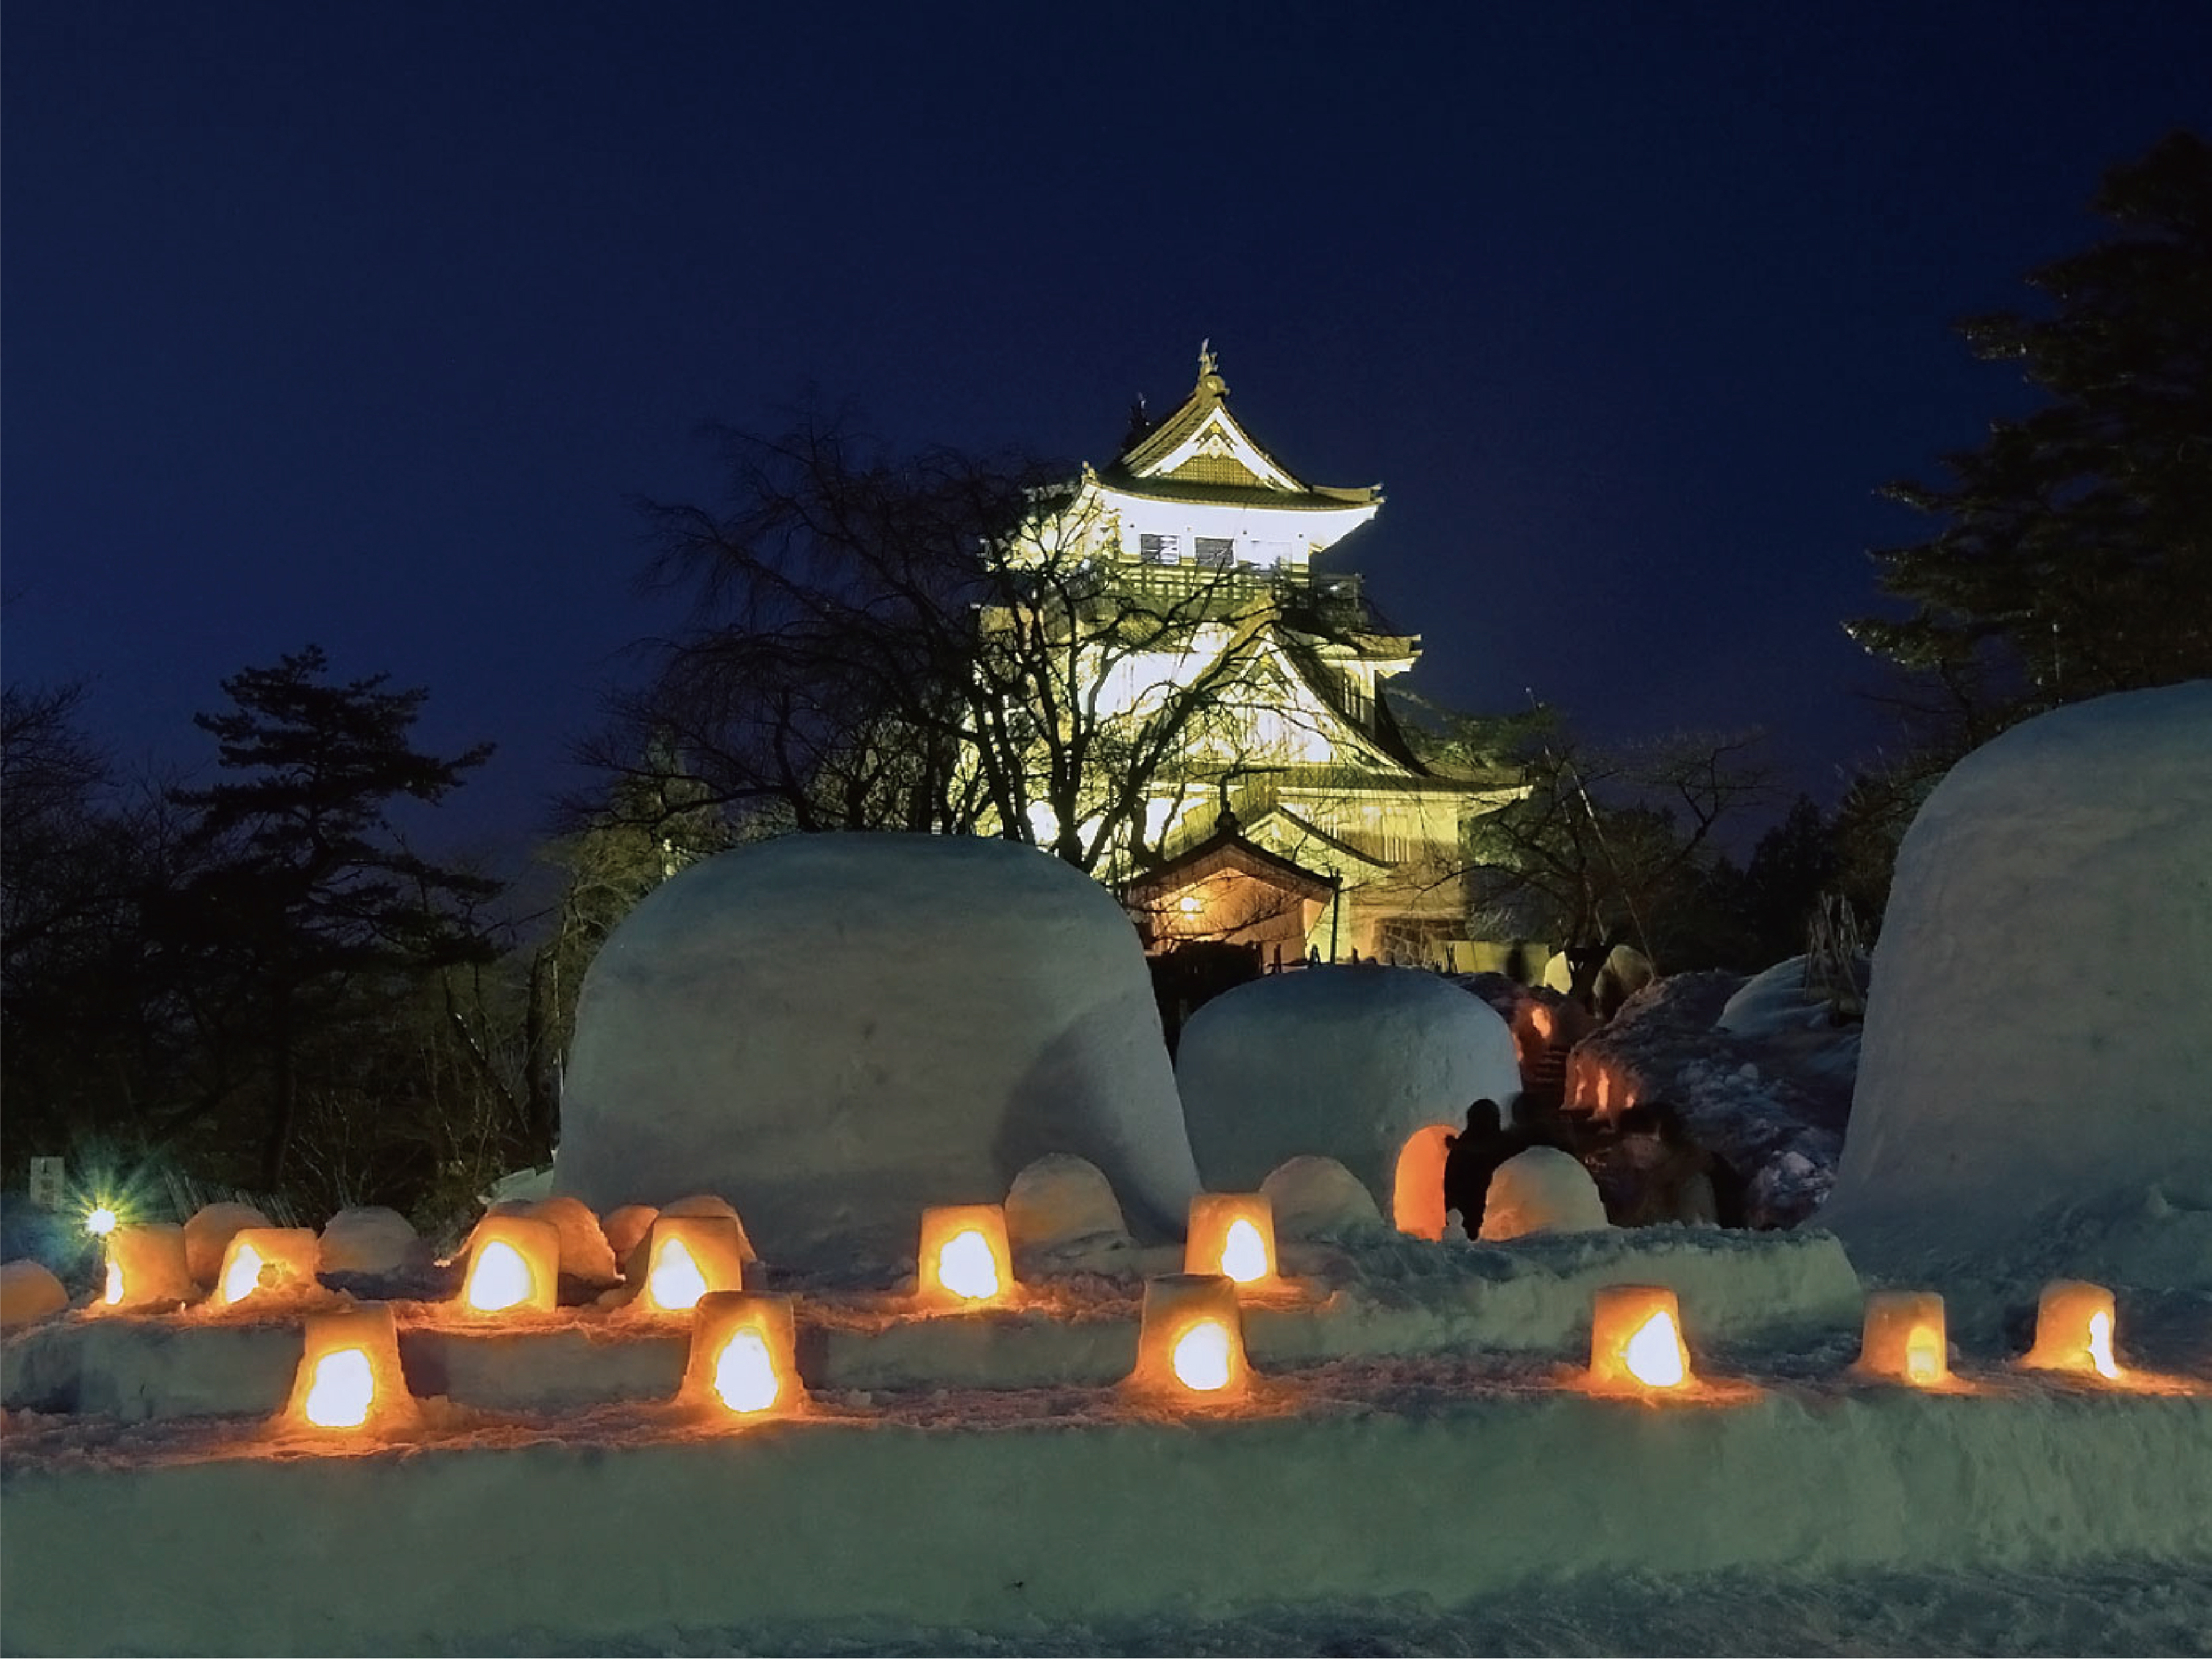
<point>1339,839</point>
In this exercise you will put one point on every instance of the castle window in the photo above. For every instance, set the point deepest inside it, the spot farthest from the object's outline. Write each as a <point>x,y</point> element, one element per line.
<point>1217,552</point>
<point>1158,549</point>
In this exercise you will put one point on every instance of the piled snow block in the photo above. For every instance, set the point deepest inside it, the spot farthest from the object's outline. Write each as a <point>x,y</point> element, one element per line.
<point>1063,1205</point>
<point>2037,1039</point>
<point>371,1239</point>
<point>835,1032</point>
<point>1335,1062</point>
<point>29,1291</point>
<point>1542,1190</point>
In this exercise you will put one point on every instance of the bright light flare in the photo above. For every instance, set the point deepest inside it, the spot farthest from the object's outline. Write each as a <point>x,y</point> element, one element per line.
<point>342,1391</point>
<point>498,1279</point>
<point>2099,1346</point>
<point>113,1293</point>
<point>243,1276</point>
<point>1923,1357</point>
<point>101,1221</point>
<point>746,1378</point>
<point>1654,1354</point>
<point>966,1267</point>
<point>676,1283</point>
<point>1243,1252</point>
<point>1201,1357</point>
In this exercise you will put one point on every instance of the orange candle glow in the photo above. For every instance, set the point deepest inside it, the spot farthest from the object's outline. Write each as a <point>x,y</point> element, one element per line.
<point>146,1268</point>
<point>1232,1234</point>
<point>742,1362</point>
<point>964,1262</point>
<point>267,1262</point>
<point>1636,1340</point>
<point>349,1380</point>
<point>1904,1339</point>
<point>2075,1323</point>
<point>514,1266</point>
<point>1417,1194</point>
<point>688,1257</point>
<point>1190,1346</point>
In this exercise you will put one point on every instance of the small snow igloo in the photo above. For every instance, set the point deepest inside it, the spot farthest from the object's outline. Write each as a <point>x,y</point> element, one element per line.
<point>2036,1036</point>
<point>1372,1066</point>
<point>835,1032</point>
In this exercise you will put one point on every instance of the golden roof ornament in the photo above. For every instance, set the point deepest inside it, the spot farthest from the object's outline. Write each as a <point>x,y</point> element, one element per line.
<point>1209,371</point>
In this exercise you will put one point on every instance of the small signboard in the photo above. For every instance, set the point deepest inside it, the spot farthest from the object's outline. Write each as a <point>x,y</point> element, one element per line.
<point>48,1183</point>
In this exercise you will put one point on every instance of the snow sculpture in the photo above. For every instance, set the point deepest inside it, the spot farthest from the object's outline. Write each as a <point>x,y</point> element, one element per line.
<point>1346,1063</point>
<point>370,1239</point>
<point>1318,1197</point>
<point>1542,1190</point>
<point>349,1377</point>
<point>838,1031</point>
<point>1062,1205</point>
<point>28,1291</point>
<point>209,1233</point>
<point>2036,1036</point>
<point>146,1266</point>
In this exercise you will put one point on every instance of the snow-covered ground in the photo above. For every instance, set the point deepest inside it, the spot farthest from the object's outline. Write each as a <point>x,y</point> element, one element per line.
<point>1421,1466</point>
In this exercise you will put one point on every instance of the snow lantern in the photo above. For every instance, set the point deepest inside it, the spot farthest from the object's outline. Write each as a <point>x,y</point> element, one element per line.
<point>147,1264</point>
<point>267,1261</point>
<point>964,1260</point>
<point>1417,1192</point>
<point>514,1266</point>
<point>2074,1330</point>
<point>349,1378</point>
<point>742,1362</point>
<point>1904,1337</point>
<point>1636,1340</point>
<point>1232,1234</point>
<point>689,1256</point>
<point>1191,1343</point>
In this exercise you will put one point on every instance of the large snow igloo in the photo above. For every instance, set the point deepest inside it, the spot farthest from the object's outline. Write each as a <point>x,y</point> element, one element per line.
<point>1372,1066</point>
<point>833,1031</point>
<point>2038,1048</point>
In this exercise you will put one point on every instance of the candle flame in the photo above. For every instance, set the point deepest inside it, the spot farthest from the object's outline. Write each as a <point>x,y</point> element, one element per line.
<point>744,1373</point>
<point>1654,1354</point>
<point>1923,1357</point>
<point>2100,1347</point>
<point>966,1268</point>
<point>243,1277</point>
<point>676,1282</point>
<point>114,1292</point>
<point>498,1279</point>
<point>1201,1357</point>
<point>343,1388</point>
<point>1243,1252</point>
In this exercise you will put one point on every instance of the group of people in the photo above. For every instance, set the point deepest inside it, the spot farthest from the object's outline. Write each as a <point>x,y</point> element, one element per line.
<point>1647,1168</point>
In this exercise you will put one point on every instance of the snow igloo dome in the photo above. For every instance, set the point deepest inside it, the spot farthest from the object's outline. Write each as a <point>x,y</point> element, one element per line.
<point>1348,1063</point>
<point>835,1031</point>
<point>2038,1043</point>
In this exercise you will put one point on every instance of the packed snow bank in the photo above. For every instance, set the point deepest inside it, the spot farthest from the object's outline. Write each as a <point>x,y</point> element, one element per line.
<point>1336,1062</point>
<point>994,1513</point>
<point>2037,1045</point>
<point>759,1027</point>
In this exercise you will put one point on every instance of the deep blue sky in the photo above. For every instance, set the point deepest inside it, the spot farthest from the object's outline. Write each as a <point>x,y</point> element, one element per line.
<point>358,324</point>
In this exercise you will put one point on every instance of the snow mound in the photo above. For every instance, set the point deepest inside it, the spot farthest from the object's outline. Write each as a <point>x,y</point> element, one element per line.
<point>1318,1197</point>
<point>584,1252</point>
<point>209,1233</point>
<point>2037,1045</point>
<point>1342,1062</point>
<point>758,1026</point>
<point>1542,1190</point>
<point>1062,1205</point>
<point>371,1239</point>
<point>29,1291</point>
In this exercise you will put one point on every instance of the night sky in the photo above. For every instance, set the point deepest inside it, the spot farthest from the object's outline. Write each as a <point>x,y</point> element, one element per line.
<point>361,325</point>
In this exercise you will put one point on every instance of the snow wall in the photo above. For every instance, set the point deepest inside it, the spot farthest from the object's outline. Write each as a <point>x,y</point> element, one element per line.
<point>2039,1031</point>
<point>834,1031</point>
<point>1338,1062</point>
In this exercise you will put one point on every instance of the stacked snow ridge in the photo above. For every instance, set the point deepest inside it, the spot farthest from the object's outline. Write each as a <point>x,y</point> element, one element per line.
<point>2038,1046</point>
<point>1664,1044</point>
<point>757,1027</point>
<point>1335,1062</point>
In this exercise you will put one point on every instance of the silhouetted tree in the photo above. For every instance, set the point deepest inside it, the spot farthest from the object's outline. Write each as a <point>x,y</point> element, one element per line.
<point>308,893</point>
<point>2074,556</point>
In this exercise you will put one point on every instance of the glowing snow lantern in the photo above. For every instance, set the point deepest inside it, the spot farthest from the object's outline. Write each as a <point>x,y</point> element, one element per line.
<point>687,1257</point>
<point>146,1265</point>
<point>514,1266</point>
<point>1417,1194</point>
<point>267,1261</point>
<point>2074,1325</point>
<point>964,1260</point>
<point>1232,1234</point>
<point>1636,1340</point>
<point>1904,1337</point>
<point>742,1362</point>
<point>1191,1345</point>
<point>350,1377</point>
